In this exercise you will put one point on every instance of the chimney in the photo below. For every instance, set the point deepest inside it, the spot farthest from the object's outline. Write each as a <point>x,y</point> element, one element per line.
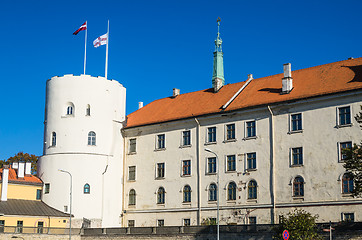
<point>4,184</point>
<point>218,83</point>
<point>250,77</point>
<point>21,170</point>
<point>287,80</point>
<point>28,168</point>
<point>176,92</point>
<point>140,105</point>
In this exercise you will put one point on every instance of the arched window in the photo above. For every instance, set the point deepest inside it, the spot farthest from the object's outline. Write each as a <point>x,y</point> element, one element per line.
<point>187,193</point>
<point>132,197</point>
<point>347,183</point>
<point>87,111</point>
<point>212,192</point>
<point>161,196</point>
<point>298,187</point>
<point>54,139</point>
<point>252,187</point>
<point>86,189</point>
<point>232,191</point>
<point>92,138</point>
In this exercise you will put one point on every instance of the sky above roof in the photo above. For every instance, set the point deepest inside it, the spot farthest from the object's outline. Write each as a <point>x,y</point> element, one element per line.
<point>156,46</point>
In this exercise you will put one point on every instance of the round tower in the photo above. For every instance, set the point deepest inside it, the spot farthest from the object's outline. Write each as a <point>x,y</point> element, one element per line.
<point>84,116</point>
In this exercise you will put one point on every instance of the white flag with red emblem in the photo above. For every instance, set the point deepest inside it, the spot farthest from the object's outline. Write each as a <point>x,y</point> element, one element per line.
<point>100,40</point>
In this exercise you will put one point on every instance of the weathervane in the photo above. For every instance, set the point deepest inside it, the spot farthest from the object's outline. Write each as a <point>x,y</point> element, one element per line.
<point>218,40</point>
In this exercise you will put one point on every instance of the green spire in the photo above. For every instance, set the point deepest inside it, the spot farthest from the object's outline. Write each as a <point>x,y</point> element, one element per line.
<point>218,79</point>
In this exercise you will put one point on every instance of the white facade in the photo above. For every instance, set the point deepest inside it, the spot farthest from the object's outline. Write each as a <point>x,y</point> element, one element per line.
<point>84,116</point>
<point>318,139</point>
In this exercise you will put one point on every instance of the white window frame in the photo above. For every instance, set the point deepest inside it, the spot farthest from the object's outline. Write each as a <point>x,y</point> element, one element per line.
<point>291,157</point>
<point>246,162</point>
<point>129,146</point>
<point>343,215</point>
<point>156,170</point>
<point>226,163</point>
<point>182,139</point>
<point>246,129</point>
<point>339,125</point>
<point>291,123</point>
<point>340,150</point>
<point>182,172</point>
<point>135,175</point>
<point>207,135</point>
<point>226,132</point>
<point>207,166</point>
<point>157,148</point>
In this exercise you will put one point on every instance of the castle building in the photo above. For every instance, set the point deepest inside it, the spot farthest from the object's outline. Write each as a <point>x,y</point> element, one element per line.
<point>275,141</point>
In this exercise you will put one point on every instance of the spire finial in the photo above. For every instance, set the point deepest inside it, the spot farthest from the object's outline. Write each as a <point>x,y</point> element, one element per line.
<point>218,41</point>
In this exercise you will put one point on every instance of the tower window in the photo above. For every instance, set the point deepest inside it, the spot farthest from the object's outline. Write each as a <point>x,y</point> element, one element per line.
<point>92,138</point>
<point>54,139</point>
<point>70,110</point>
<point>88,110</point>
<point>86,189</point>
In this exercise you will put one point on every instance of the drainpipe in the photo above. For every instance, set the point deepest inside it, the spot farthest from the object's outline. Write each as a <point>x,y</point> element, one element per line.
<point>198,172</point>
<point>272,165</point>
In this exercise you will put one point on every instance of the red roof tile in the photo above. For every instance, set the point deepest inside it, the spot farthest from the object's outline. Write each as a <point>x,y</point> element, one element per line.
<point>310,82</point>
<point>28,179</point>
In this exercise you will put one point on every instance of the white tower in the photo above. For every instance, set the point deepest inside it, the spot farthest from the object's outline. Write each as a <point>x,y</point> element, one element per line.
<point>84,116</point>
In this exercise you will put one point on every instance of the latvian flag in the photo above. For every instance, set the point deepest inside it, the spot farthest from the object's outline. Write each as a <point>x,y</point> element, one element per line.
<point>83,27</point>
<point>100,40</point>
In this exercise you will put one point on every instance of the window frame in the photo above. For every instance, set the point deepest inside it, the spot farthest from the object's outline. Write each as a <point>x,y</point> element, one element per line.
<point>254,165</point>
<point>38,194</point>
<point>186,194</point>
<point>160,222</point>
<point>46,188</point>
<point>132,197</point>
<point>211,134</point>
<point>298,187</point>
<point>211,167</point>
<point>341,156</point>
<point>53,139</point>
<point>230,163</point>
<point>347,184</point>
<point>232,132</point>
<point>161,196</point>
<point>212,192</point>
<point>231,191</point>
<point>88,110</point>
<point>252,190</point>
<point>19,226</point>
<point>300,156</point>
<point>160,142</point>
<point>132,147</point>
<point>133,172</point>
<point>299,127</point>
<point>92,138</point>
<point>344,214</point>
<point>186,168</point>
<point>186,138</point>
<point>349,119</point>
<point>131,223</point>
<point>186,222</point>
<point>251,136</point>
<point>86,188</point>
<point>160,170</point>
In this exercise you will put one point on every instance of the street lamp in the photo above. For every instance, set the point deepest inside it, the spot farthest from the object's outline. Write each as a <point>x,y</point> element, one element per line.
<point>217,194</point>
<point>70,203</point>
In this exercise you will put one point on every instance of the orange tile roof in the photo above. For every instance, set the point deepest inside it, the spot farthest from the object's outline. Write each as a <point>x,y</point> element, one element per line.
<point>309,82</point>
<point>28,179</point>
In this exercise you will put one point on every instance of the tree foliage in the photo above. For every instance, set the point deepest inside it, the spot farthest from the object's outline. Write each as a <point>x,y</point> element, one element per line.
<point>208,221</point>
<point>300,224</point>
<point>22,157</point>
<point>353,162</point>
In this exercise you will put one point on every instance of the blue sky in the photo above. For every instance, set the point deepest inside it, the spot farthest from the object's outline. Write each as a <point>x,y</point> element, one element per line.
<point>156,46</point>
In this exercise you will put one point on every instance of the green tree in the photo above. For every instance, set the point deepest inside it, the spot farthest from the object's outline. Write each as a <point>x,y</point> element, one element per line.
<point>353,162</point>
<point>300,225</point>
<point>22,157</point>
<point>208,221</point>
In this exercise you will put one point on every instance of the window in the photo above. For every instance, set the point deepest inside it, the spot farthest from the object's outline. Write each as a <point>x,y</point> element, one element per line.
<point>347,183</point>
<point>251,161</point>
<point>250,129</point>
<point>160,141</point>
<point>132,197</point>
<point>19,227</point>
<point>232,191</point>
<point>211,165</point>
<point>38,194</point>
<point>160,170</point>
<point>132,145</point>
<point>252,220</point>
<point>160,223</point>
<point>47,188</point>
<point>186,138</point>
<point>54,139</point>
<point>298,187</point>
<point>131,223</point>
<point>186,167</point>
<point>70,110</point>
<point>65,208</point>
<point>187,194</point>
<point>132,173</point>
<point>348,217</point>
<point>342,147</point>
<point>86,188</point>
<point>297,156</point>
<point>87,110</point>
<point>2,225</point>
<point>230,163</point>
<point>91,138</point>
<point>252,190</point>
<point>187,222</point>
<point>40,227</point>
<point>211,134</point>
<point>296,122</point>
<point>344,116</point>
<point>212,192</point>
<point>230,132</point>
<point>161,196</point>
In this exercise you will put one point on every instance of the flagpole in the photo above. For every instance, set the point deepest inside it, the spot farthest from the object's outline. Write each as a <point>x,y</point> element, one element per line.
<point>107,51</point>
<point>85,46</point>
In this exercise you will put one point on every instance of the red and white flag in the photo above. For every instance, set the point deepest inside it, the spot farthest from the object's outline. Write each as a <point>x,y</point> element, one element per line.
<point>83,27</point>
<point>100,40</point>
